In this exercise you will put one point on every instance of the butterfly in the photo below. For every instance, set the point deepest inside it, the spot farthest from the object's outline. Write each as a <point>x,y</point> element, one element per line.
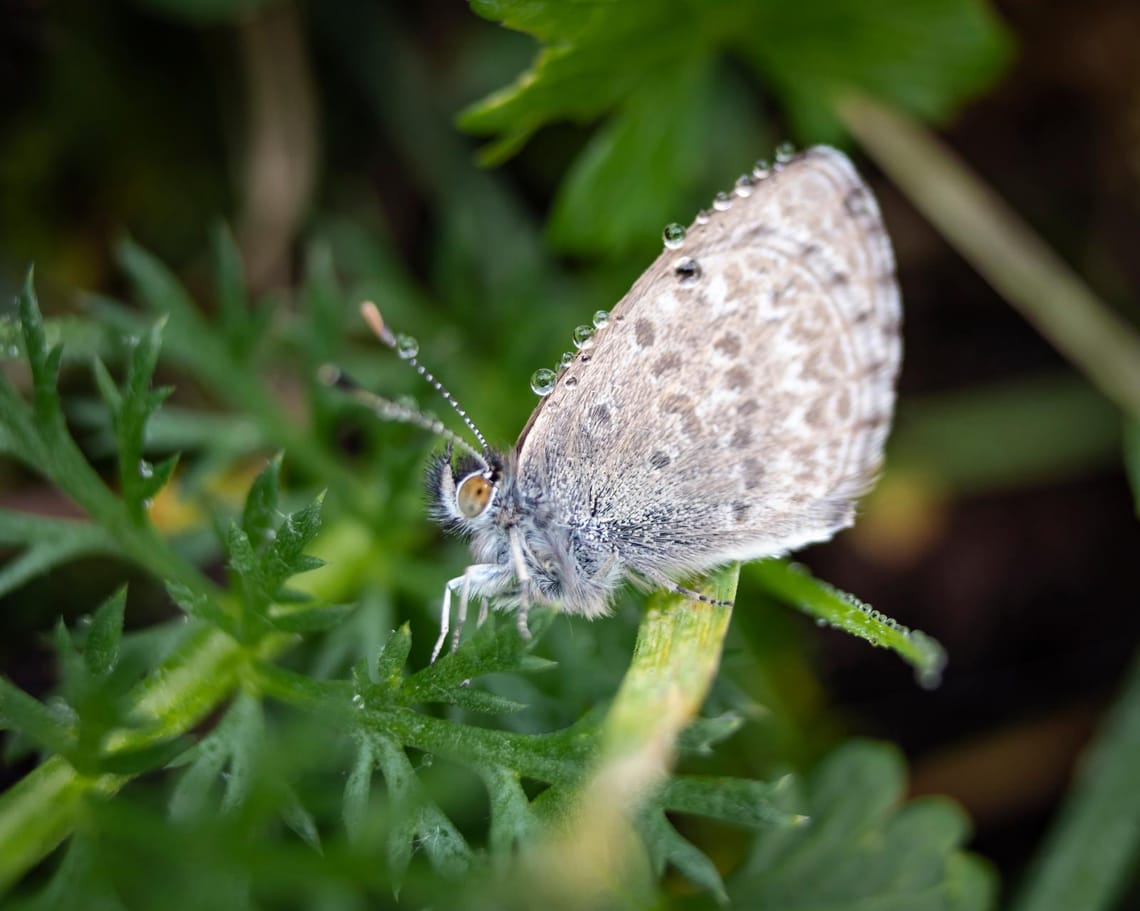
<point>734,405</point>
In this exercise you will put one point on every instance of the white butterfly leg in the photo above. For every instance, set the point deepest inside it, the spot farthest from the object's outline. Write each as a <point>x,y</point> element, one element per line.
<point>480,577</point>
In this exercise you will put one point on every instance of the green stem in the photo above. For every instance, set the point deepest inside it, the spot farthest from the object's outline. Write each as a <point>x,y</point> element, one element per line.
<point>595,856</point>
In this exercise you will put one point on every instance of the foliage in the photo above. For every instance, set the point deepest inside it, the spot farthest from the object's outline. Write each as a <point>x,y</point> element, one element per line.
<point>282,740</point>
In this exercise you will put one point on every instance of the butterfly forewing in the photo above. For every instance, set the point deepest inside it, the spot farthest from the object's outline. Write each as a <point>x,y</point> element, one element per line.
<point>738,400</point>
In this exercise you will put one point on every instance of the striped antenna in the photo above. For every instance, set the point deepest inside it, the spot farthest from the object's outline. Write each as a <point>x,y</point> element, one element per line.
<point>333,376</point>
<point>406,350</point>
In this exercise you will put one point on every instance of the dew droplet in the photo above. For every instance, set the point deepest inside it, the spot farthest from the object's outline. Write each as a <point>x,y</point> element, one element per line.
<point>688,271</point>
<point>583,335</point>
<point>147,504</point>
<point>542,381</point>
<point>722,201</point>
<point>703,217</point>
<point>601,317</point>
<point>760,169</point>
<point>407,347</point>
<point>146,470</point>
<point>571,381</point>
<point>743,187</point>
<point>566,360</point>
<point>13,351</point>
<point>673,235</point>
<point>785,152</point>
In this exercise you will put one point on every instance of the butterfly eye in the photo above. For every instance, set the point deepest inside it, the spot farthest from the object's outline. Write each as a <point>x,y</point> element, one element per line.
<point>474,495</point>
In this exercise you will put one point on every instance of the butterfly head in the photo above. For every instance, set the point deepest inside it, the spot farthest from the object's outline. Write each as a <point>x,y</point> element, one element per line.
<point>464,491</point>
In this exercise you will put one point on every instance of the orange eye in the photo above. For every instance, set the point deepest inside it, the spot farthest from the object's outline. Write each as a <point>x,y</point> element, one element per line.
<point>473,495</point>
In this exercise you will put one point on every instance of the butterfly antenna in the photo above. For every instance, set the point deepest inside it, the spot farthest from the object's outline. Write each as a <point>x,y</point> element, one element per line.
<point>371,314</point>
<point>333,376</point>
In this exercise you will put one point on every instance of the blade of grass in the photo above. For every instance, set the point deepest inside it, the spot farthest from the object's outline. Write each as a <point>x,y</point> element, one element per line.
<point>1094,846</point>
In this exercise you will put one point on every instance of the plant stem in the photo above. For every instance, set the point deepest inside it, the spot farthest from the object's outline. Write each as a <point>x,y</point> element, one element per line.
<point>589,859</point>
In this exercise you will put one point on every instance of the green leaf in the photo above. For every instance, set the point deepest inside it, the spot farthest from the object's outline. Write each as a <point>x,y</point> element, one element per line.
<point>861,847</point>
<point>494,648</point>
<point>791,582</point>
<point>647,166</point>
<point>48,542</point>
<point>666,846</point>
<point>735,800</point>
<point>419,823</point>
<point>1132,459</point>
<point>260,514</point>
<point>47,727</point>
<point>355,808</point>
<point>638,59</point>
<point>390,662</point>
<point>1088,858</point>
<point>703,734</point>
<point>43,360</point>
<point>513,822</point>
<point>101,651</point>
<point>312,619</point>
<point>201,606</point>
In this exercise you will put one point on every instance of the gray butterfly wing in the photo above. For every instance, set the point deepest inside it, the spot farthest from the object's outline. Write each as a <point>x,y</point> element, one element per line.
<point>738,400</point>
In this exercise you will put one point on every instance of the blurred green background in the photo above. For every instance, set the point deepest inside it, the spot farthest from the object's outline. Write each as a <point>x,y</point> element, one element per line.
<point>325,135</point>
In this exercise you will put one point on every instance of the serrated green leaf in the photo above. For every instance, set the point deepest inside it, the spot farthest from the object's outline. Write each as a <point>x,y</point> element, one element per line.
<point>201,606</point>
<point>157,477</point>
<point>494,648</point>
<point>39,723</point>
<point>108,391</point>
<point>474,700</point>
<point>390,662</point>
<point>301,821</point>
<point>702,735</point>
<point>626,59</point>
<point>312,620</point>
<point>513,822</point>
<point>357,791</point>
<point>862,847</point>
<point>260,514</point>
<point>666,845</point>
<point>48,542</point>
<point>43,361</point>
<point>101,651</point>
<point>243,559</point>
<point>735,800</point>
<point>653,167</point>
